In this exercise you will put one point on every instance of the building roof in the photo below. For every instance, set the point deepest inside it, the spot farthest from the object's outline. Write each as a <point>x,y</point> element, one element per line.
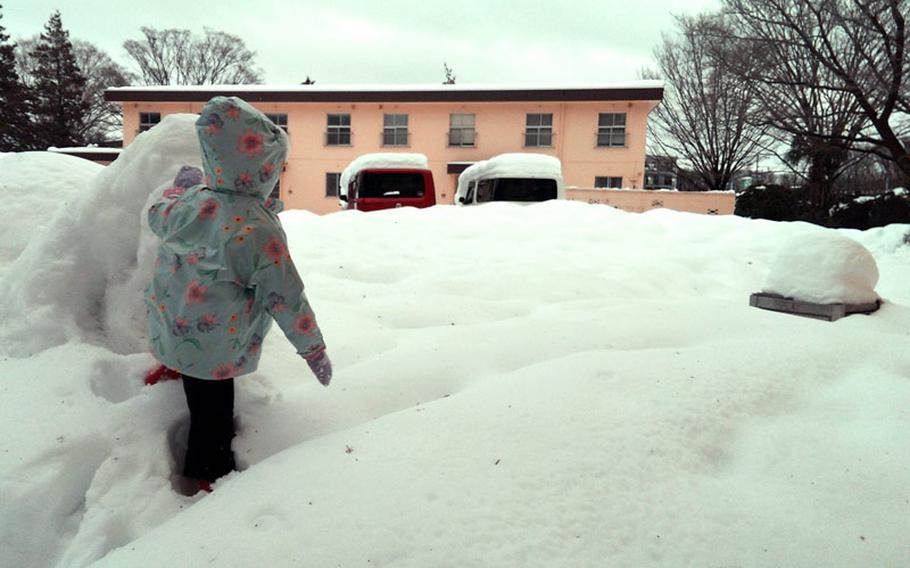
<point>85,150</point>
<point>635,90</point>
<point>93,153</point>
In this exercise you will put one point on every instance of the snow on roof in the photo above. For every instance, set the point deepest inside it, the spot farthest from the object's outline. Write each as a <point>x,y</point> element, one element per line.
<point>381,160</point>
<point>394,87</point>
<point>85,150</point>
<point>518,164</point>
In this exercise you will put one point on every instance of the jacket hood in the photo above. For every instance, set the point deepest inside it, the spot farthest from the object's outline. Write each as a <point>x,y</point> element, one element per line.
<point>242,150</point>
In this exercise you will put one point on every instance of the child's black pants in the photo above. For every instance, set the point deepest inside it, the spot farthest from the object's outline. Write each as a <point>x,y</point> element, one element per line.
<point>208,450</point>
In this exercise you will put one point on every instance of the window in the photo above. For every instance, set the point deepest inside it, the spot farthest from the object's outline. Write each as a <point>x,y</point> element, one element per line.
<point>332,181</point>
<point>469,196</point>
<point>338,130</point>
<point>280,120</point>
<point>484,191</point>
<point>610,182</point>
<point>148,120</point>
<point>393,185</point>
<point>395,130</point>
<point>539,130</point>
<point>461,129</point>
<point>611,129</point>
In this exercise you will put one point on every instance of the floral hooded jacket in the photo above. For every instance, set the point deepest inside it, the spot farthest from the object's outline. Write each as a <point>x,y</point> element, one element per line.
<point>223,270</point>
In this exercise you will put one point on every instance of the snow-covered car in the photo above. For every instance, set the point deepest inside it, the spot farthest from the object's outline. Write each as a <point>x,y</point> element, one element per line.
<point>518,177</point>
<point>385,180</point>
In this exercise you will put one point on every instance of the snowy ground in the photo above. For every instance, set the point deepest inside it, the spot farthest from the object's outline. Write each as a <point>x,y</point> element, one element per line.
<point>555,385</point>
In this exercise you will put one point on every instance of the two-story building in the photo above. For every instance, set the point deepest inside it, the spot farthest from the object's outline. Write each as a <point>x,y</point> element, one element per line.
<point>597,132</point>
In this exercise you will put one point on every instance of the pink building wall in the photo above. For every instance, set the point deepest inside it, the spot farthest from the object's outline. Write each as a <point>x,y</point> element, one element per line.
<point>641,200</point>
<point>499,125</point>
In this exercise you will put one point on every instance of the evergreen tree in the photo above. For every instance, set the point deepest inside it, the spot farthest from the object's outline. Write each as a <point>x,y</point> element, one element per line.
<point>14,131</point>
<point>59,105</point>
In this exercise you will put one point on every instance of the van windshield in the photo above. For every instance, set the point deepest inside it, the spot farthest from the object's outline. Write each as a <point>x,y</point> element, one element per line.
<point>516,189</point>
<point>391,184</point>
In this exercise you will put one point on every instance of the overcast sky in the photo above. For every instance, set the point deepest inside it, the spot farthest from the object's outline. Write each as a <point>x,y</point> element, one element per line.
<point>392,41</point>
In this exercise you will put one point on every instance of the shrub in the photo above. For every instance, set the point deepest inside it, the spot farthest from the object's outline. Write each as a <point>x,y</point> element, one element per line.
<point>867,212</point>
<point>773,202</point>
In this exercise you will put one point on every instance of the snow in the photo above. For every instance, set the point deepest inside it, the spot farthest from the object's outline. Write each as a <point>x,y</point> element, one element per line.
<point>824,268</point>
<point>381,160</point>
<point>82,277</point>
<point>394,87</point>
<point>560,384</point>
<point>85,150</point>
<point>515,165</point>
<point>33,187</point>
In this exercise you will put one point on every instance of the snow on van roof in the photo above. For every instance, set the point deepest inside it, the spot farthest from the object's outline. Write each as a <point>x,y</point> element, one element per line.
<point>381,160</point>
<point>518,164</point>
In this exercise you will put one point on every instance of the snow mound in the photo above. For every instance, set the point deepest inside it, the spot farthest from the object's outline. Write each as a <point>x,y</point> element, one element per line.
<point>561,384</point>
<point>33,186</point>
<point>79,278</point>
<point>824,268</point>
<point>381,160</point>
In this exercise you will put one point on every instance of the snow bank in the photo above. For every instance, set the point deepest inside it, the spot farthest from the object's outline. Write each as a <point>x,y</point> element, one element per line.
<point>79,279</point>
<point>516,165</point>
<point>566,385</point>
<point>824,268</point>
<point>33,187</point>
<point>380,160</point>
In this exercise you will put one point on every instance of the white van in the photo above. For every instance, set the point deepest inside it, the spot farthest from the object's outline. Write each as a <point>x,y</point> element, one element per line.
<point>517,177</point>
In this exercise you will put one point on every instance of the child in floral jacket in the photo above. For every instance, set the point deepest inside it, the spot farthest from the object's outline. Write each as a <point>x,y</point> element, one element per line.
<point>222,274</point>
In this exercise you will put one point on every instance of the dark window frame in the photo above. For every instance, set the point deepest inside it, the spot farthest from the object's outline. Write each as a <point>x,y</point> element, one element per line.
<point>332,183</point>
<point>338,134</point>
<point>611,130</point>
<point>461,134</point>
<point>279,119</point>
<point>539,130</point>
<point>148,119</point>
<point>396,133</point>
<point>607,182</point>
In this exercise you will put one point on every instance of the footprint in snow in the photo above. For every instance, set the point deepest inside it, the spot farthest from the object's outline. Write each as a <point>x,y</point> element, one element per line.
<point>113,381</point>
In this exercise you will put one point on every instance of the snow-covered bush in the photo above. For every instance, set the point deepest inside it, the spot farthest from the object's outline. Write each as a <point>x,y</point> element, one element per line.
<point>865,212</point>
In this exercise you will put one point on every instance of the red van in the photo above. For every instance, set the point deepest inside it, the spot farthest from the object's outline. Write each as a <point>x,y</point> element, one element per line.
<point>385,181</point>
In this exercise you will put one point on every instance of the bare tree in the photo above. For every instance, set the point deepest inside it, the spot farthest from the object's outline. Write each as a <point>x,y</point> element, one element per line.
<point>860,49</point>
<point>816,126</point>
<point>26,64</point>
<point>705,117</point>
<point>177,57</point>
<point>102,120</point>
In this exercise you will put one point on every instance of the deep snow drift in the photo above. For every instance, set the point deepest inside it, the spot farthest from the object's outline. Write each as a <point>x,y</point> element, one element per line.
<point>33,186</point>
<point>561,384</point>
<point>83,279</point>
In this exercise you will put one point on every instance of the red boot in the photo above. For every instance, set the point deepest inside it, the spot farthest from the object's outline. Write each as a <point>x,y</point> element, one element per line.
<point>161,373</point>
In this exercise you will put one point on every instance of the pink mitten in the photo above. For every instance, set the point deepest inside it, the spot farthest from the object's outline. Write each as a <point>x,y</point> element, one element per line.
<point>321,366</point>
